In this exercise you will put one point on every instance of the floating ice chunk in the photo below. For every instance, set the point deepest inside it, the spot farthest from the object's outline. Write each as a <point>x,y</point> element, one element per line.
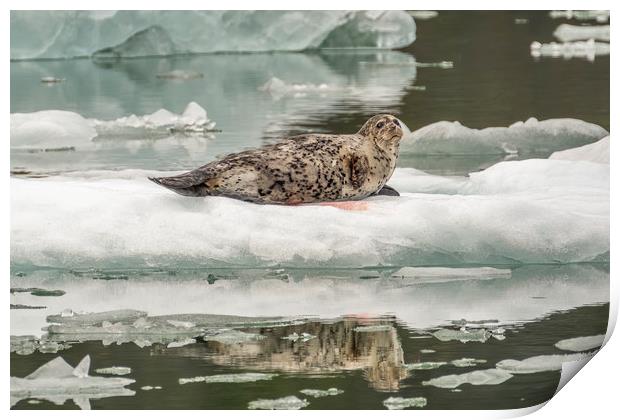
<point>56,381</point>
<point>467,362</point>
<point>114,370</point>
<point>578,49</point>
<point>566,32</point>
<point>476,377</point>
<point>152,41</point>
<point>581,343</point>
<point>439,64</point>
<point>445,274</point>
<point>121,34</point>
<point>181,343</point>
<point>595,152</point>
<point>180,75</point>
<point>400,403</point>
<point>521,21</point>
<point>452,138</point>
<point>286,403</point>
<point>463,335</point>
<point>425,365</point>
<point>229,378</point>
<point>423,14</point>
<point>319,393</point>
<point>539,363</point>
<point>598,15</point>
<point>49,130</point>
<point>428,351</point>
<point>150,387</point>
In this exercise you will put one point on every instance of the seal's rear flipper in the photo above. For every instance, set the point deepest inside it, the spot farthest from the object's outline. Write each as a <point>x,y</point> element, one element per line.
<point>387,190</point>
<point>186,185</point>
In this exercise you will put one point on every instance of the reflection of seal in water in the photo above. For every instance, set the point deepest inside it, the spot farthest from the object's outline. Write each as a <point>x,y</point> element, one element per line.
<point>302,169</point>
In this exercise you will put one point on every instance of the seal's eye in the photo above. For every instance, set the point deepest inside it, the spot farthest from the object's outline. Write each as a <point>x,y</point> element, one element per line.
<point>380,124</point>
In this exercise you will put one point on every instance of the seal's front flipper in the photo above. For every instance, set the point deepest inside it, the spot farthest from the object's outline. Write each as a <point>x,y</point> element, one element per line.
<point>387,190</point>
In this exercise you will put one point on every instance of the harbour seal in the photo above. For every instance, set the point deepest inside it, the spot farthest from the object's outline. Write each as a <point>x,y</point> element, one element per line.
<point>308,168</point>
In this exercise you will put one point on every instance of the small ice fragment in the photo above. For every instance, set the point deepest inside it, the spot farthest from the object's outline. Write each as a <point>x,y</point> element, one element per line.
<point>51,80</point>
<point>600,16</point>
<point>306,336</point>
<point>286,403</point>
<point>578,49</point>
<point>463,335</point>
<point>150,387</point>
<point>291,337</point>
<point>318,393</point>
<point>467,362</point>
<point>477,377</point>
<point>424,365</point>
<point>428,351</point>
<point>521,21</point>
<point>232,337</point>
<point>581,343</point>
<point>114,370</point>
<point>181,324</point>
<point>374,328</point>
<point>566,32</point>
<point>181,343</point>
<point>229,378</point>
<point>399,403</point>
<point>539,363</point>
<point>440,64</point>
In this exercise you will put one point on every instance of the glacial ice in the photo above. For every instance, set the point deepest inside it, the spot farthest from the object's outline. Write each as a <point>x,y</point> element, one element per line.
<point>531,211</point>
<point>66,34</point>
<point>531,136</point>
<point>566,33</point>
<point>594,152</point>
<point>581,343</point>
<point>319,393</point>
<point>600,16</point>
<point>578,49</point>
<point>57,382</point>
<point>114,370</point>
<point>229,378</point>
<point>52,130</point>
<point>444,274</point>
<point>539,363</point>
<point>286,403</point>
<point>476,377</point>
<point>400,403</point>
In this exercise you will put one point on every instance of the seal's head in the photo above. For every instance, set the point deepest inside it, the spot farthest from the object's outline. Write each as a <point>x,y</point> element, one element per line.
<point>384,129</point>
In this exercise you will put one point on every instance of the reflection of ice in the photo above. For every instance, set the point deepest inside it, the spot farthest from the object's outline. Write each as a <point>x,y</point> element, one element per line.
<point>442,274</point>
<point>544,137</point>
<point>578,49</point>
<point>539,363</point>
<point>476,377</point>
<point>566,32</point>
<point>138,33</point>
<point>180,75</point>
<point>284,403</point>
<point>400,403</point>
<point>595,152</point>
<point>581,343</point>
<point>57,382</point>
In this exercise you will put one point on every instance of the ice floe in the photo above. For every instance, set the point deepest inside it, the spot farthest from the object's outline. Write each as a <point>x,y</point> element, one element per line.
<point>285,403</point>
<point>114,370</point>
<point>122,34</point>
<point>598,15</point>
<point>319,393</point>
<point>150,387</point>
<point>597,152</point>
<point>425,365</point>
<point>532,136</point>
<point>28,344</point>
<point>589,49</point>
<point>581,343</point>
<point>444,274</point>
<point>539,363</point>
<point>476,377</point>
<point>463,335</point>
<point>566,32</point>
<point>400,403</point>
<point>57,381</point>
<point>467,362</point>
<point>229,378</point>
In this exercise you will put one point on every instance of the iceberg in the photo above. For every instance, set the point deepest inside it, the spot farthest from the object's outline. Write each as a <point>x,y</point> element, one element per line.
<point>597,152</point>
<point>581,343</point>
<point>400,403</point>
<point>589,49</point>
<point>128,34</point>
<point>286,403</point>
<point>529,137</point>
<point>539,363</point>
<point>566,32</point>
<point>531,211</point>
<point>476,377</point>
<point>57,382</point>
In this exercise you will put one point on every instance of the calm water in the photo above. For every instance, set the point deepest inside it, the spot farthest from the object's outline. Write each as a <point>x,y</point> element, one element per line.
<point>494,82</point>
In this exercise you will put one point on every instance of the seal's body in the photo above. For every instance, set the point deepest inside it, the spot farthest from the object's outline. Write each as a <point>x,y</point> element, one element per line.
<point>302,169</point>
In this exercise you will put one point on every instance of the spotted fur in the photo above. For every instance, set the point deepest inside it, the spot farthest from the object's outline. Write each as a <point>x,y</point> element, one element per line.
<point>303,169</point>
